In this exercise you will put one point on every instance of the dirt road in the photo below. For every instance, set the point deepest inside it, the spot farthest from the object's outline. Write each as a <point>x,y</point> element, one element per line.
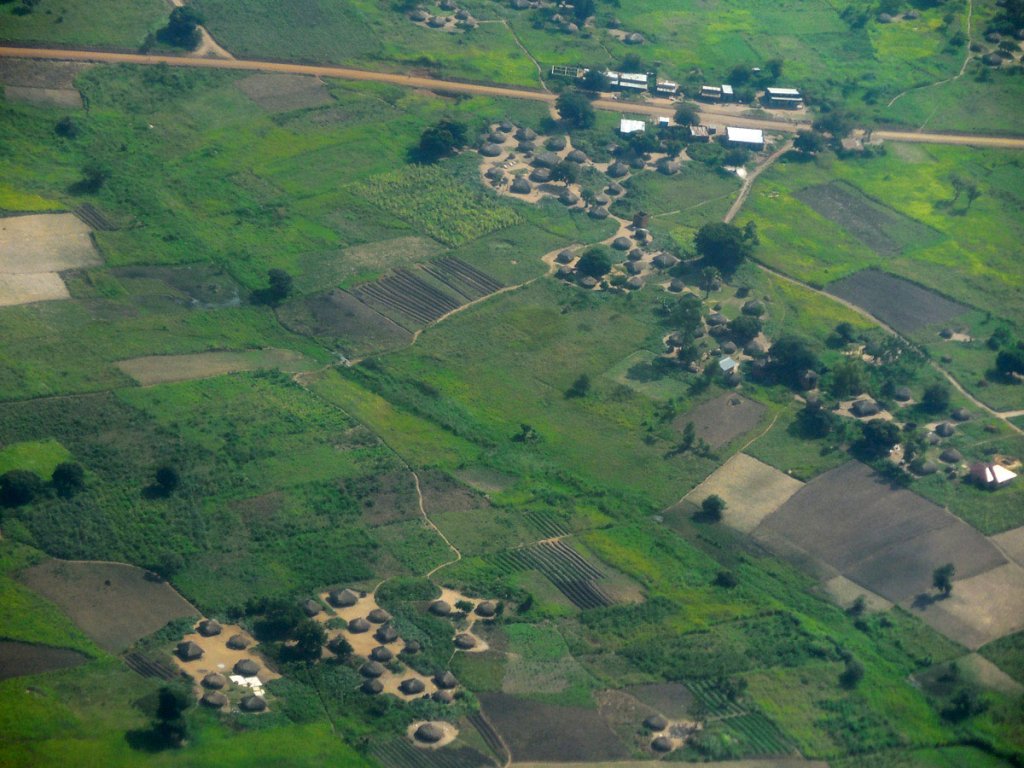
<point>447,86</point>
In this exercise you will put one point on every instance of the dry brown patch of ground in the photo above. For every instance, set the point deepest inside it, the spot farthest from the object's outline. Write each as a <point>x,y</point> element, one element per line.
<point>114,604</point>
<point>18,659</point>
<point>25,289</point>
<point>45,242</point>
<point>340,316</point>
<point>1011,543</point>
<point>284,93</point>
<point>722,419</point>
<point>158,369</point>
<point>41,82</point>
<point>845,593</point>
<point>217,657</point>
<point>987,674</point>
<point>751,489</point>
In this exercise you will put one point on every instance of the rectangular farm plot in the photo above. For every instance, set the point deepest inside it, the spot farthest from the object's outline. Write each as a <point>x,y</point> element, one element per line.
<point>751,489</point>
<point>25,289</point>
<point>49,83</point>
<point>981,608</point>
<point>897,302</point>
<point>45,242</point>
<point>723,419</point>
<point>888,540</point>
<point>338,315</point>
<point>285,93</point>
<point>158,369</point>
<point>879,227</point>
<point>1012,544</point>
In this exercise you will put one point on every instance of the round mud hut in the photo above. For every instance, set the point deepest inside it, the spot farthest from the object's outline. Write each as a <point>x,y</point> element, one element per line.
<point>189,651</point>
<point>490,150</point>
<point>214,700</point>
<point>656,723</point>
<point>209,628</point>
<point>568,197</point>
<point>951,456</point>
<point>961,414</point>
<point>429,733</point>
<point>441,608</point>
<point>386,634</point>
<point>246,668</point>
<point>342,598</point>
<point>382,654</point>
<point>546,160</point>
<point>311,608</point>
<point>238,642</point>
<point>617,170</point>
<point>901,394</point>
<point>486,609</point>
<point>378,616</point>
<point>445,680</point>
<point>372,686</point>
<point>565,257</point>
<point>863,408</point>
<point>662,744</point>
<point>412,647</point>
<point>555,143</point>
<point>621,243</point>
<point>411,686</point>
<point>253,704</point>
<point>214,681</point>
<point>372,669</point>
<point>464,641</point>
<point>358,626</point>
<point>923,468</point>
<point>521,186</point>
<point>600,212</point>
<point>615,189</point>
<point>443,697</point>
<point>577,156</point>
<point>540,175</point>
<point>945,429</point>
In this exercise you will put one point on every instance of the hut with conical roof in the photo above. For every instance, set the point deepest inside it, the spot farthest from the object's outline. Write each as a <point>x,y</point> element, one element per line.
<point>618,169</point>
<point>465,641</point>
<point>382,654</point>
<point>490,150</point>
<point>961,414</point>
<point>599,212</point>
<point>568,197</point>
<point>372,669</point>
<point>521,186</point>
<point>901,394</point>
<point>429,733</point>
<point>564,257</point>
<point>555,143</point>
<point>311,608</point>
<point>546,160</point>
<point>443,697</point>
<point>442,607</point>
<point>378,616</point>
<point>445,680</point>
<point>945,429</point>
<point>209,628</point>
<point>865,407</point>
<point>189,651</point>
<point>214,681</point>
<point>214,700</point>
<point>372,686</point>
<point>238,642</point>
<point>253,703</point>
<point>656,723</point>
<point>342,598</point>
<point>621,243</point>
<point>951,456</point>
<point>411,686</point>
<point>540,175</point>
<point>358,626</point>
<point>412,647</point>
<point>664,260</point>
<point>386,634</point>
<point>662,744</point>
<point>246,668</point>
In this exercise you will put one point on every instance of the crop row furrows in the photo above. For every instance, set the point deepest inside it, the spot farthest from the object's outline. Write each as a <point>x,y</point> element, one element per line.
<point>145,667</point>
<point>372,294</point>
<point>763,737</point>
<point>716,703</point>
<point>490,736</point>
<point>469,275</point>
<point>464,291</point>
<point>411,296</point>
<point>582,593</point>
<point>547,524</point>
<point>573,559</point>
<point>399,753</point>
<point>92,216</point>
<point>425,291</point>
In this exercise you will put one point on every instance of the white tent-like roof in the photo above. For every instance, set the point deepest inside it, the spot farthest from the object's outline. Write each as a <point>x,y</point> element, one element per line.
<point>627,127</point>
<point>744,135</point>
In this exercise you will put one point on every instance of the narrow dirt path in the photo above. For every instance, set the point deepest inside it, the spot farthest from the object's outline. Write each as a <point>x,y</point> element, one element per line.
<point>207,45</point>
<point>540,69</point>
<point>963,67</point>
<point>430,524</point>
<point>752,177</point>
<point>447,86</point>
<point>467,305</point>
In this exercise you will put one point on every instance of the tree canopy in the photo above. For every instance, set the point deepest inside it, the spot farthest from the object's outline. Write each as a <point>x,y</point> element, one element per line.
<point>687,114</point>
<point>182,30</point>
<point>441,140</point>
<point>724,246</point>
<point>791,356</point>
<point>595,262</point>
<point>575,109</point>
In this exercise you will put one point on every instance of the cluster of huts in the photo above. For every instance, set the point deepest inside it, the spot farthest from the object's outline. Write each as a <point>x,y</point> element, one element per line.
<point>450,17</point>
<point>245,672</point>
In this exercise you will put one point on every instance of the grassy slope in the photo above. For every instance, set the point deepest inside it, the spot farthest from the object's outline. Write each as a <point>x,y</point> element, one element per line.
<point>118,24</point>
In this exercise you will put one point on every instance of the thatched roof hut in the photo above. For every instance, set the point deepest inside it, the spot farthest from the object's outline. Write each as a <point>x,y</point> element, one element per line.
<point>445,680</point>
<point>588,282</point>
<point>621,243</point>
<point>577,156</point>
<point>246,668</point>
<point>386,634</point>
<point>214,700</point>
<point>665,260</point>
<point>311,608</point>
<point>357,626</point>
<point>945,429</point>
<point>951,456</point>
<point>864,407</point>
<point>486,609</point>
<point>901,394</point>
<point>372,686</point>
<point>497,137</point>
<point>634,39</point>
<point>342,598</point>
<point>564,272</point>
<point>656,723</point>
<point>634,267</point>
<point>382,654</point>
<point>238,642</point>
<point>214,681</point>
<point>526,134</point>
<point>600,199</point>
<point>754,307</point>
<point>637,163</point>
<point>506,127</point>
<point>677,285</point>
<point>568,197</point>
<point>465,641</point>
<point>429,733</point>
<point>495,173</point>
<point>443,697</point>
<point>378,616</point>
<point>755,348</point>
<point>717,318</point>
<point>635,254</point>
<point>662,744</point>
<point>209,628</point>
<point>668,167</point>
<point>372,669</point>
<point>599,212</point>
<point>339,646</point>
<point>729,348</point>
<point>521,186</point>
<point>189,651</point>
<point>615,189</point>
<point>618,169</point>
<point>961,414</point>
<point>635,283</point>
<point>437,21</point>
<point>442,607</point>
<point>253,704</point>
<point>555,143</point>
<point>547,160</point>
<point>526,147</point>
<point>564,257</point>
<point>411,686</point>
<point>490,150</point>
<point>922,467</point>
<point>411,647</point>
<point>540,175</point>
<point>419,15</point>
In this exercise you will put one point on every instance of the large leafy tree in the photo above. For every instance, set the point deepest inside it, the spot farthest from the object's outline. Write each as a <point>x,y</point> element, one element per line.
<point>723,246</point>
<point>575,109</point>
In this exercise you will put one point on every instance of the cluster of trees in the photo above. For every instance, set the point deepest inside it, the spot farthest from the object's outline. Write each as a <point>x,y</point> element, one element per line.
<point>441,140</point>
<point>182,30</point>
<point>21,486</point>
<point>726,246</point>
<point>279,287</point>
<point>575,109</point>
<point>279,621</point>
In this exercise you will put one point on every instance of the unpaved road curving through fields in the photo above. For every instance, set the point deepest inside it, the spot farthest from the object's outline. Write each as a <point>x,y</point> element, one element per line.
<point>448,86</point>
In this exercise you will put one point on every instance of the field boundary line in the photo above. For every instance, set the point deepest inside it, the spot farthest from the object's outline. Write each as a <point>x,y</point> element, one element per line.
<point>430,523</point>
<point>748,182</point>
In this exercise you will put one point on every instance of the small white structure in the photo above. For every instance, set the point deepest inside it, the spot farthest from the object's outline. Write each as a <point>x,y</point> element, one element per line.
<point>633,81</point>
<point>627,126</point>
<point>728,365</point>
<point>664,121</point>
<point>666,88</point>
<point>751,138</point>
<point>992,475</point>
<point>787,98</point>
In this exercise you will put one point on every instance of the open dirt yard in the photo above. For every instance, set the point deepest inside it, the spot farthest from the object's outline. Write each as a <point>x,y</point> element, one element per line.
<point>1012,544</point>
<point>41,82</point>
<point>723,419</point>
<point>889,540</point>
<point>338,315</point>
<point>45,242</point>
<point>547,733</point>
<point>752,490</point>
<point>27,288</point>
<point>217,657</point>
<point>981,608</point>
<point>899,303</point>
<point>880,228</point>
<point>17,659</point>
<point>159,369</point>
<point>114,604</point>
<point>284,93</point>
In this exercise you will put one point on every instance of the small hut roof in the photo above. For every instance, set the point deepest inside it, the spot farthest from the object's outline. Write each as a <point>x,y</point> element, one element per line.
<point>311,608</point>
<point>486,609</point>
<point>665,260</point>
<point>865,408</point>
<point>577,156</point>
<point>618,169</point>
<point>656,723</point>
<point>637,163</point>
<point>445,680</point>
<point>521,186</point>
<point>634,267</point>
<point>588,282</point>
<point>635,282</point>
<point>753,307</point>
<point>540,175</point>
<point>189,651</point>
<point>634,39</point>
<point>564,257</point>
<point>442,607</point>
<point>443,697</point>
<point>676,285</point>
<point>635,254</point>
<point>359,625</point>
<point>246,667</point>
<point>506,127</point>
<point>429,733</point>
<point>600,199</point>
<point>600,212</point>
<point>214,699</point>
<point>338,645</point>
<point>465,641</point>
<point>214,681</point>
<point>412,646</point>
<point>209,628</point>
<point>615,188</point>
<point>564,272</point>
<point>372,686</point>
<point>924,468</point>
<point>419,15</point>
<point>497,137</point>
<point>951,456</point>
<point>555,143</point>
<point>932,439</point>
<point>342,598</point>
<point>961,414</point>
<point>668,167</point>
<point>253,704</point>
<point>902,394</point>
<point>729,348</point>
<point>238,642</point>
<point>378,616</point>
<point>717,318</point>
<point>662,744</point>
<point>945,429</point>
<point>490,150</point>
<point>411,686</point>
<point>386,634</point>
<point>547,160</point>
<point>495,173</point>
<point>621,243</point>
<point>755,348</point>
<point>437,21</point>
<point>568,197</point>
<point>372,669</point>
<point>526,147</point>
<point>526,134</point>
<point>382,654</point>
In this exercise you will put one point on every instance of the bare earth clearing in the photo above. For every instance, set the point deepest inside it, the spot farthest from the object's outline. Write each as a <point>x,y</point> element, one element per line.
<point>25,289</point>
<point>1012,544</point>
<point>159,369</point>
<point>752,490</point>
<point>723,419</point>
<point>982,608</point>
<point>114,604</point>
<point>17,659</point>
<point>896,302</point>
<point>284,93</point>
<point>48,83</point>
<point>33,249</point>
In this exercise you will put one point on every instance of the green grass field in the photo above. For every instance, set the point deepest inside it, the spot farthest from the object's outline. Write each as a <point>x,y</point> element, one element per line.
<point>92,23</point>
